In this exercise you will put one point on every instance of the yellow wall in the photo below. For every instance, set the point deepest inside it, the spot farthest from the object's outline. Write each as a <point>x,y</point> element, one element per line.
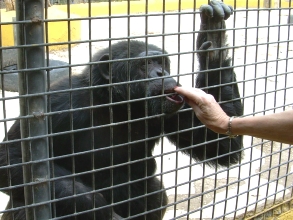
<point>153,6</point>
<point>102,8</point>
<point>58,31</point>
<point>7,30</point>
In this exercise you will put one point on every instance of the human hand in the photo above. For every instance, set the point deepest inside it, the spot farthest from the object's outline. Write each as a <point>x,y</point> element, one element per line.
<point>207,110</point>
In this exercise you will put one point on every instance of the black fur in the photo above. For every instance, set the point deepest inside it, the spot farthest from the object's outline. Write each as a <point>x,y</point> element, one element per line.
<point>128,165</point>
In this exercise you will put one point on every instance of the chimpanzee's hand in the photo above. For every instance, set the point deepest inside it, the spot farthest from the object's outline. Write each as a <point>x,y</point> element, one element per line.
<point>213,18</point>
<point>216,11</point>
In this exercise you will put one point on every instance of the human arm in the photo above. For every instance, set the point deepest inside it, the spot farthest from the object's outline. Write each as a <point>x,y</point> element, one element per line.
<point>275,127</point>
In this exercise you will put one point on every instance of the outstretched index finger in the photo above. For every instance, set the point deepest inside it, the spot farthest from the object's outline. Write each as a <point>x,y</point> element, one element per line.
<point>192,96</point>
<point>191,93</point>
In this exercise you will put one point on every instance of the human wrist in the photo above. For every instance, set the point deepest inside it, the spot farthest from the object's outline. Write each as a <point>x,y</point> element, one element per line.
<point>229,130</point>
<point>221,127</point>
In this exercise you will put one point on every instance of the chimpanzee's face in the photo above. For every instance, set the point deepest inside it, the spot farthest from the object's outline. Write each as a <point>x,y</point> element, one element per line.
<point>156,68</point>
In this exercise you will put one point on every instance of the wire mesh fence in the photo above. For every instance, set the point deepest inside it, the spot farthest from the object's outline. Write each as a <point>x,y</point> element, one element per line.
<point>91,125</point>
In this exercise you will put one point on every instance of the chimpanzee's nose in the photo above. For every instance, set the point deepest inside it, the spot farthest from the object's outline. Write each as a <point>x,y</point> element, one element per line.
<point>160,72</point>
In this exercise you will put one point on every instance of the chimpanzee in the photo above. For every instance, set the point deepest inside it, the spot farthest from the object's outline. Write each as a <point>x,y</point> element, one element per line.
<point>105,128</point>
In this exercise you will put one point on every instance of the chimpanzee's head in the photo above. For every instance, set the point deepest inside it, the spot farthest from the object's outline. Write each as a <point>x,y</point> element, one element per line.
<point>137,70</point>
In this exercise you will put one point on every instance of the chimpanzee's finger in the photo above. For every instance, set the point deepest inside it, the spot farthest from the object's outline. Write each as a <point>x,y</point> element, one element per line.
<point>218,9</point>
<point>206,45</point>
<point>207,10</point>
<point>228,10</point>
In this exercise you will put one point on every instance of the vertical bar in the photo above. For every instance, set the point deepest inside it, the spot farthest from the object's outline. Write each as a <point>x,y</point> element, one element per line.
<point>33,82</point>
<point>111,109</point>
<point>267,4</point>
<point>128,107</point>
<point>91,83</point>
<point>146,122</point>
<point>163,118</point>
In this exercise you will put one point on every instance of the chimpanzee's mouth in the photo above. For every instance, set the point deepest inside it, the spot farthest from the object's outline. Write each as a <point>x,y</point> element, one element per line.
<point>174,97</point>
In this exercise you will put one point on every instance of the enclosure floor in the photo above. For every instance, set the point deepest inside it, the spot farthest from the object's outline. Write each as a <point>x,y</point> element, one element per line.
<point>286,216</point>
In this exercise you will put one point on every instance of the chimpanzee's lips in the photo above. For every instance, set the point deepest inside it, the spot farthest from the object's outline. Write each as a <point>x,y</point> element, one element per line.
<point>174,97</point>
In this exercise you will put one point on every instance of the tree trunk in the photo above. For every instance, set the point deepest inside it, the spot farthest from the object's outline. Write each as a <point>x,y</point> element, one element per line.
<point>10,5</point>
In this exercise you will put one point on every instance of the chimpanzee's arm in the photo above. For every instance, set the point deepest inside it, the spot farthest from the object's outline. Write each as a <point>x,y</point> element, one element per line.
<point>212,42</point>
<point>221,84</point>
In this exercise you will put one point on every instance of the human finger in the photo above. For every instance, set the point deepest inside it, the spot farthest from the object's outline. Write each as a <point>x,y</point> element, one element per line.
<point>193,94</point>
<point>190,102</point>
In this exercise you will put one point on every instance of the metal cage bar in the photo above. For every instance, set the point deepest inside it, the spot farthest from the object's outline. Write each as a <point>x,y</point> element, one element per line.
<point>36,174</point>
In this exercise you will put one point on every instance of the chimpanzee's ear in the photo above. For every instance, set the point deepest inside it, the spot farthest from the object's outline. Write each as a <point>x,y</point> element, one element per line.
<point>105,67</point>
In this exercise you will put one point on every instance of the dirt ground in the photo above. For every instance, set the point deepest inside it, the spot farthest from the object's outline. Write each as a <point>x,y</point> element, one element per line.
<point>265,173</point>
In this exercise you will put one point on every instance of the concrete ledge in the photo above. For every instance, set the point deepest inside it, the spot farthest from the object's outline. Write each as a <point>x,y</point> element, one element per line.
<point>56,72</point>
